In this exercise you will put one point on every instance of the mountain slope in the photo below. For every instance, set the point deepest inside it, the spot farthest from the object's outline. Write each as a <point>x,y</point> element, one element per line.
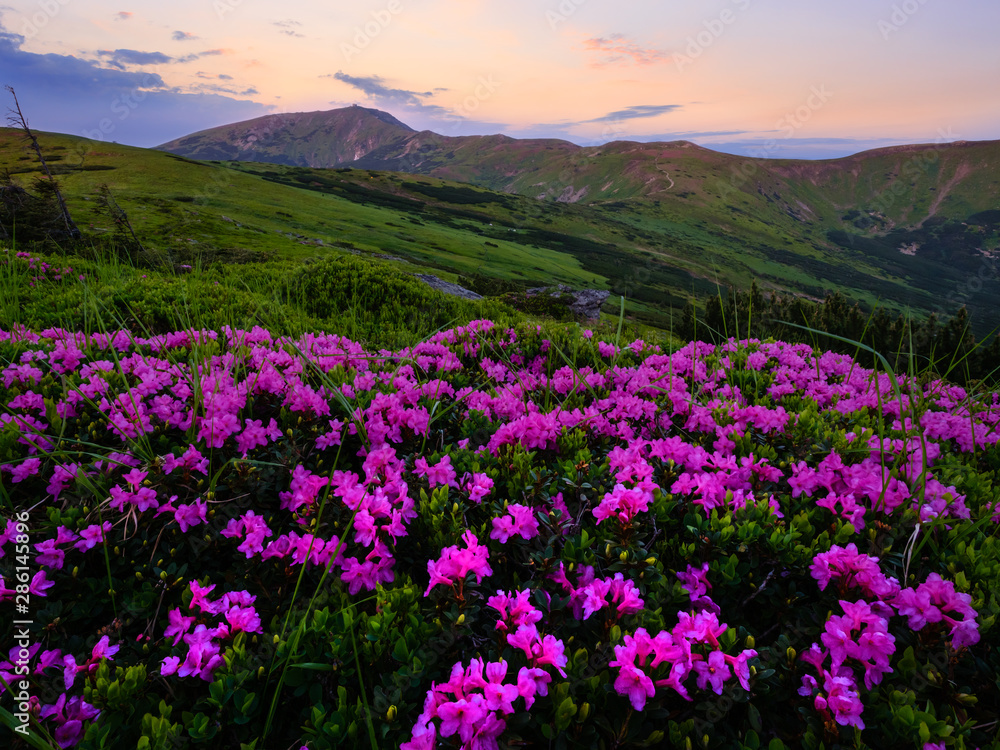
<point>945,179</point>
<point>318,139</point>
<point>716,220</point>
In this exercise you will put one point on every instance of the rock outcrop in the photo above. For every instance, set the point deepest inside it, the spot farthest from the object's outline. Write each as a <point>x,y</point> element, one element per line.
<point>447,287</point>
<point>586,303</point>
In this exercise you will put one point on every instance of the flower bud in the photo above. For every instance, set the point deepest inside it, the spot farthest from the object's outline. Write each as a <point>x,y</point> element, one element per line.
<point>391,713</point>
<point>461,619</point>
<point>583,713</point>
<point>623,556</point>
<point>750,641</point>
<point>790,655</point>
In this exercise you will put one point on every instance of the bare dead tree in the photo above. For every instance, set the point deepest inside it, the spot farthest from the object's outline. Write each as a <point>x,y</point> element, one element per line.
<point>16,119</point>
<point>123,227</point>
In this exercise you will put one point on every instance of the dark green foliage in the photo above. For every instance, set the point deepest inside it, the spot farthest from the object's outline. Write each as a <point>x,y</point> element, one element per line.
<point>945,347</point>
<point>490,286</point>
<point>455,194</point>
<point>365,298</point>
<point>544,304</point>
<point>30,216</point>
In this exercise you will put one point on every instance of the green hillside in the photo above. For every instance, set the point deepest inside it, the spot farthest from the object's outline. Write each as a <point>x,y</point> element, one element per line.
<point>809,228</point>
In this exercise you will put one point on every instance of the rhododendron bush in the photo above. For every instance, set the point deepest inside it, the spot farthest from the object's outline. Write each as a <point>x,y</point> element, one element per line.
<point>495,538</point>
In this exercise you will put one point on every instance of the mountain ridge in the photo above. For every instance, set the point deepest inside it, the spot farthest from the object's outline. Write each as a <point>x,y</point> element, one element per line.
<point>920,218</point>
<point>915,228</point>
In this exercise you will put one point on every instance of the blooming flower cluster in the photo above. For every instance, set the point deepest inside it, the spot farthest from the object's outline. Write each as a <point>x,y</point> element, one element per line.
<point>338,469</point>
<point>673,655</point>
<point>860,638</point>
<point>68,713</point>
<point>935,600</point>
<point>455,563</point>
<point>203,655</point>
<point>39,268</point>
<point>472,706</point>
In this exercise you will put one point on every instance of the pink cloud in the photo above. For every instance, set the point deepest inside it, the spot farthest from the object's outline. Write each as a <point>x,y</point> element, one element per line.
<point>123,15</point>
<point>617,48</point>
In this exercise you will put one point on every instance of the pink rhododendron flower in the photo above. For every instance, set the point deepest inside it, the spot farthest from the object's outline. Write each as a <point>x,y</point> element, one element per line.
<point>520,521</point>
<point>455,563</point>
<point>853,569</point>
<point>695,580</point>
<point>712,672</point>
<point>27,468</point>
<point>935,600</point>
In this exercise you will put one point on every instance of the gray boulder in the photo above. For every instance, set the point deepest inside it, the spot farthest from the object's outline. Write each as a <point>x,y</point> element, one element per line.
<point>586,303</point>
<point>447,287</point>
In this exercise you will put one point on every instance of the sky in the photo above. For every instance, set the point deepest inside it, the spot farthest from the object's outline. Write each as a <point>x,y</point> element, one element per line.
<point>767,78</point>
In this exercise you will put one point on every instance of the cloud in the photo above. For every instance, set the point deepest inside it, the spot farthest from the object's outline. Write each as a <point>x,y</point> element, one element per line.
<point>67,94</point>
<point>123,15</point>
<point>183,36</point>
<point>198,55</point>
<point>217,89</point>
<point>288,27</point>
<point>618,48</point>
<point>122,57</point>
<point>374,87</point>
<point>637,112</point>
<point>410,107</point>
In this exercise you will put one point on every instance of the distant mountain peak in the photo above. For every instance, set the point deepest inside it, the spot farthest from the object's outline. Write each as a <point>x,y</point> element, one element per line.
<point>323,138</point>
<point>378,114</point>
